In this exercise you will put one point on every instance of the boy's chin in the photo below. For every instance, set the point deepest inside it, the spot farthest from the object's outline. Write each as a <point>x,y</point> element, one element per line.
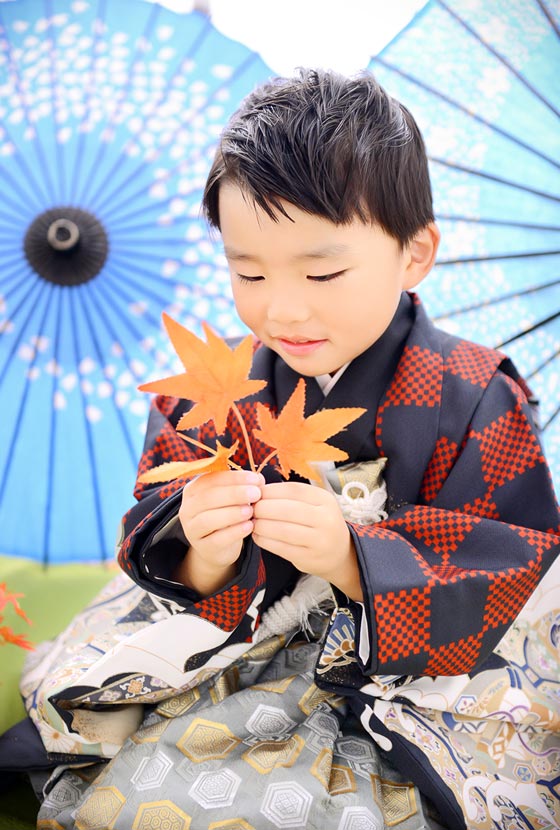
<point>308,368</point>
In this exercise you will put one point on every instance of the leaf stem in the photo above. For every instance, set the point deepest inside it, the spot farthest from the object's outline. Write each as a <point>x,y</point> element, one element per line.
<point>243,426</point>
<point>211,450</point>
<point>263,464</point>
<point>196,443</point>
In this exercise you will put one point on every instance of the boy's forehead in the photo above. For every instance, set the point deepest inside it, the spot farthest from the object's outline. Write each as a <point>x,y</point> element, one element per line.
<point>241,216</point>
<point>324,252</point>
<point>235,200</point>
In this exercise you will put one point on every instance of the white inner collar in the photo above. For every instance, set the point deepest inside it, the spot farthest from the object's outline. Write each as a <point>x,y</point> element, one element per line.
<point>326,382</point>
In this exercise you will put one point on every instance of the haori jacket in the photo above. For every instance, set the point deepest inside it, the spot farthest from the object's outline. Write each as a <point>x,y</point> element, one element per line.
<point>472,526</point>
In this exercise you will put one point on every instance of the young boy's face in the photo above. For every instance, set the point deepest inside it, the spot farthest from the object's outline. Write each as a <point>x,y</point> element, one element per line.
<point>317,293</point>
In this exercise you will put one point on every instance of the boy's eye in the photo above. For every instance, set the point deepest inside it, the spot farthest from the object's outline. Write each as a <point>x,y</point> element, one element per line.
<point>243,278</point>
<point>319,278</point>
<point>325,277</point>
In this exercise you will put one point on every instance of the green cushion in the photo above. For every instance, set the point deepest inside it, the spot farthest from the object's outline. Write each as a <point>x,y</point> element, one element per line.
<point>53,595</point>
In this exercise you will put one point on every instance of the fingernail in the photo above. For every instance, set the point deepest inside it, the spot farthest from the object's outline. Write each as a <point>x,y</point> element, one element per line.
<point>253,493</point>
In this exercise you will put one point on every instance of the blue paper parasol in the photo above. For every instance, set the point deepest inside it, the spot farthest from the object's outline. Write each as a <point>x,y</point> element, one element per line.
<point>109,115</point>
<point>482,79</point>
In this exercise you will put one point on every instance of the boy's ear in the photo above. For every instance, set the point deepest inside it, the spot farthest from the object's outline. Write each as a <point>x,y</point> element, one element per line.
<point>421,255</point>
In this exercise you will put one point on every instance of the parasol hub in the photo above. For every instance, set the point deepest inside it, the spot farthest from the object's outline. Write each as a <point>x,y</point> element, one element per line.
<point>63,234</point>
<point>66,245</point>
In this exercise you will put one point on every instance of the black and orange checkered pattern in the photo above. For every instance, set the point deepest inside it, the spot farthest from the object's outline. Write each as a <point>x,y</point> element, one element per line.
<point>441,462</point>
<point>166,404</point>
<point>417,383</point>
<point>442,531</point>
<point>454,554</point>
<point>226,610</point>
<point>510,432</point>
<point>407,612</point>
<point>472,363</point>
<point>440,586</point>
<point>454,658</point>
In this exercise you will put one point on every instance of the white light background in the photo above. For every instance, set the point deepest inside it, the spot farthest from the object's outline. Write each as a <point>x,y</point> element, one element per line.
<point>311,33</point>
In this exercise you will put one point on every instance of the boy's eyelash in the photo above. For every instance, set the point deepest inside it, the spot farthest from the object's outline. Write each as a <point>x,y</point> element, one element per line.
<point>326,277</point>
<point>321,278</point>
<point>242,278</point>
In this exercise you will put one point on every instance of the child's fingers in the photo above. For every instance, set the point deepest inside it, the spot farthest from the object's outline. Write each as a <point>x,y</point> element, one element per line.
<point>286,510</point>
<point>293,553</point>
<point>210,521</point>
<point>226,478</point>
<point>196,501</point>
<point>283,533</point>
<point>219,544</point>
<point>296,491</point>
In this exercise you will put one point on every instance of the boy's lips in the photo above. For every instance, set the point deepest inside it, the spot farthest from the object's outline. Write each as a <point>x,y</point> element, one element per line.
<point>299,345</point>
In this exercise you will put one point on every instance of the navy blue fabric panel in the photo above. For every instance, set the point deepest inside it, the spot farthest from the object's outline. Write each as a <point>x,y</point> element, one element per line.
<point>22,750</point>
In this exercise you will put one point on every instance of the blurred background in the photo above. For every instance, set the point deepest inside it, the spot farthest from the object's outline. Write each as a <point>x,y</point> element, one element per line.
<point>109,115</point>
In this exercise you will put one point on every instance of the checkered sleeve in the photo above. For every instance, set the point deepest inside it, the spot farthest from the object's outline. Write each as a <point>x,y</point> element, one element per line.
<point>151,545</point>
<point>443,579</point>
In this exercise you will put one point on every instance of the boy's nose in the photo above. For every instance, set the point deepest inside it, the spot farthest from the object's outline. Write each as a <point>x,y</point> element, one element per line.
<point>287,308</point>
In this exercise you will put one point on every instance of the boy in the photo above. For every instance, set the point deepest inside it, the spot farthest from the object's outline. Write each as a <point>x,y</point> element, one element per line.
<point>321,192</point>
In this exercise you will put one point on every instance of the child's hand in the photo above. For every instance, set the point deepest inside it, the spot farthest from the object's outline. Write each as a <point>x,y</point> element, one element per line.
<point>216,515</point>
<point>304,524</point>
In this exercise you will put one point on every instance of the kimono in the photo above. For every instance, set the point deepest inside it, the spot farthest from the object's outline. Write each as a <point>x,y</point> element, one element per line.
<point>434,664</point>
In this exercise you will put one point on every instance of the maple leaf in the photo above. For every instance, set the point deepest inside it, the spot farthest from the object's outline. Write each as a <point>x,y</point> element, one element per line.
<point>178,469</point>
<point>216,376</point>
<point>9,597</point>
<point>299,440</point>
<point>7,635</point>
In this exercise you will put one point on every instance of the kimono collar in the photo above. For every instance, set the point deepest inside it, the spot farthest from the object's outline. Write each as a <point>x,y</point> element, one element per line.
<point>362,383</point>
<point>326,382</point>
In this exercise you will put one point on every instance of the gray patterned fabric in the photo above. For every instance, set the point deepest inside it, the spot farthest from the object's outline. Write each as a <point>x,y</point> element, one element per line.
<point>257,746</point>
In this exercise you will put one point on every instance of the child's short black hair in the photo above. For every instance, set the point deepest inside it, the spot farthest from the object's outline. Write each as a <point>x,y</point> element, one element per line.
<point>333,146</point>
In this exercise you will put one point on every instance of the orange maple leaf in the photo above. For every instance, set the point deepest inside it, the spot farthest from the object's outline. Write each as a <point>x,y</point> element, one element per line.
<point>216,376</point>
<point>7,635</point>
<point>9,597</point>
<point>299,440</point>
<point>184,469</point>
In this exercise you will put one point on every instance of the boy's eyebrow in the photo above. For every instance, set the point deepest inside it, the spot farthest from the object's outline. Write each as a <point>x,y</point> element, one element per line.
<point>323,252</point>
